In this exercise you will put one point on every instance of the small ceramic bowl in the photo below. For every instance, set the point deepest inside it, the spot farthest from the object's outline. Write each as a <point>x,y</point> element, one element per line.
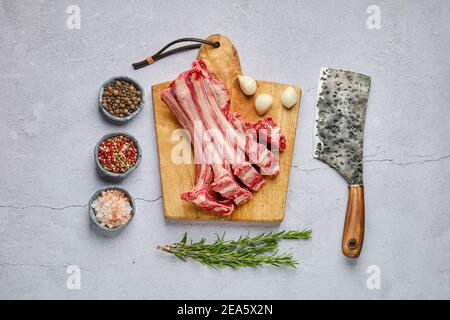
<point>112,175</point>
<point>114,118</point>
<point>92,213</point>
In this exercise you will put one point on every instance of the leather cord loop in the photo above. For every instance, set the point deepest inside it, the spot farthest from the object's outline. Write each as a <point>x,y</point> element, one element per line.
<point>163,53</point>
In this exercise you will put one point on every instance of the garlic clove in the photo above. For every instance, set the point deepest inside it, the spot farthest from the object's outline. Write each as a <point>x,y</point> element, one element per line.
<point>247,84</point>
<point>263,103</point>
<point>289,97</point>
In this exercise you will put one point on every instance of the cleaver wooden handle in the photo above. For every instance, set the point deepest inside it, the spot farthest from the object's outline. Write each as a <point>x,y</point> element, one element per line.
<point>353,237</point>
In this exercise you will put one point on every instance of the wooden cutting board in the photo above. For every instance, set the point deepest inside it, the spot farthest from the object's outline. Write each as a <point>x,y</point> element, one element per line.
<point>268,204</point>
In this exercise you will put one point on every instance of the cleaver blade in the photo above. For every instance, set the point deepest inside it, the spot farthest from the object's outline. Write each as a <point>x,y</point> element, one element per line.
<point>340,114</point>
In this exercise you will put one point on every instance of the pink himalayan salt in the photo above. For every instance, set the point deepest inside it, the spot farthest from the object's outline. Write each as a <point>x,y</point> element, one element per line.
<point>112,208</point>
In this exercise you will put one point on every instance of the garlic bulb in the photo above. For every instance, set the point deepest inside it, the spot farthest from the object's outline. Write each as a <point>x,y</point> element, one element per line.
<point>263,103</point>
<point>248,85</point>
<point>289,97</point>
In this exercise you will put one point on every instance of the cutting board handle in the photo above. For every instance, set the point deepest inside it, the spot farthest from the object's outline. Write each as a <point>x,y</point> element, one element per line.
<point>353,237</point>
<point>223,61</point>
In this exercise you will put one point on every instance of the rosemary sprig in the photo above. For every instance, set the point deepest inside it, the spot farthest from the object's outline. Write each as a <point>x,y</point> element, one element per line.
<point>246,251</point>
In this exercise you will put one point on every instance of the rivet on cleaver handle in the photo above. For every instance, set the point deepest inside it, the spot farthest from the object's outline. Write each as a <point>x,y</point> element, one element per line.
<point>338,141</point>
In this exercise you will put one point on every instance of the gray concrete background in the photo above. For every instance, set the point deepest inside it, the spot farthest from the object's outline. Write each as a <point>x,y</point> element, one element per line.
<point>49,124</point>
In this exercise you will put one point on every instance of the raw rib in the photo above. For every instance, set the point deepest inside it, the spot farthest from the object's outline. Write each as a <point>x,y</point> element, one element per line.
<point>230,154</point>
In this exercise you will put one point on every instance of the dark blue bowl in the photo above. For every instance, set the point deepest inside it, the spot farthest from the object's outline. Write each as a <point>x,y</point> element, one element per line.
<point>114,118</point>
<point>92,213</point>
<point>112,175</point>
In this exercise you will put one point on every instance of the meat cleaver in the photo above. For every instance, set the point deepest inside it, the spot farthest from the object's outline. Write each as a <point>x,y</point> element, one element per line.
<point>338,141</point>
